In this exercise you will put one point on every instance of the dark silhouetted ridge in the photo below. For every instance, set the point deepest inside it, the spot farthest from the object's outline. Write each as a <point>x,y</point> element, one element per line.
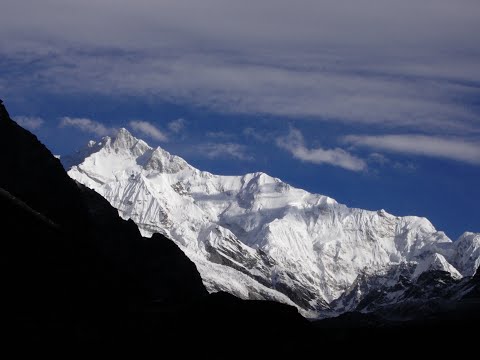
<point>73,272</point>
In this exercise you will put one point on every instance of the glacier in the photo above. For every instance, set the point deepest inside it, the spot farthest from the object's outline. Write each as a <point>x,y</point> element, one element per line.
<point>257,237</point>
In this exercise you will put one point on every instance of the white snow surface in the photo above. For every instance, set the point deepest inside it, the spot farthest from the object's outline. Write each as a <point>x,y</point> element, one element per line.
<point>258,237</point>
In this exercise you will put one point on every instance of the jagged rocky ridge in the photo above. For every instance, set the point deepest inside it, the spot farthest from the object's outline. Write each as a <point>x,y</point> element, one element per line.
<point>259,238</point>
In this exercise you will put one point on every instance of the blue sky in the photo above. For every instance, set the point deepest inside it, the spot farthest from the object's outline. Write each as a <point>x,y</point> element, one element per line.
<point>375,103</point>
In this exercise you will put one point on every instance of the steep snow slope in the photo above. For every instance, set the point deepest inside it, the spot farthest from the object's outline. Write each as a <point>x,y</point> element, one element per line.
<point>256,236</point>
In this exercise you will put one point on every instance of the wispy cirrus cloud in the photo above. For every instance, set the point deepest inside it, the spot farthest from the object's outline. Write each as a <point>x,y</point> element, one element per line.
<point>220,135</point>
<point>457,149</point>
<point>227,150</point>
<point>29,122</point>
<point>295,144</point>
<point>87,125</point>
<point>148,129</point>
<point>177,125</point>
<point>256,134</point>
<point>382,161</point>
<point>354,61</point>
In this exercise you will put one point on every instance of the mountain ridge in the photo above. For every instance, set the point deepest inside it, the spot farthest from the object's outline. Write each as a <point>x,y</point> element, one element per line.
<point>267,239</point>
<point>74,274</point>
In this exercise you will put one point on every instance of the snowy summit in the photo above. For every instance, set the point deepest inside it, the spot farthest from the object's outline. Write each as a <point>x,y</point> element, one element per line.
<point>260,238</point>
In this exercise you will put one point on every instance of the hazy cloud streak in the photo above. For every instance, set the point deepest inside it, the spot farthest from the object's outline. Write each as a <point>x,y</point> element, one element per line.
<point>87,125</point>
<point>377,62</point>
<point>177,125</point>
<point>29,122</point>
<point>148,129</point>
<point>223,151</point>
<point>295,144</point>
<point>458,149</point>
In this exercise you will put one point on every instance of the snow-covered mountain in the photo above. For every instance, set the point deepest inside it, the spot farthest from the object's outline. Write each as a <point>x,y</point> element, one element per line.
<point>260,238</point>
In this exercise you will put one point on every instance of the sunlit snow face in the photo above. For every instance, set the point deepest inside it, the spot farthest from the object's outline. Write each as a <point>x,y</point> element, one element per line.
<point>257,237</point>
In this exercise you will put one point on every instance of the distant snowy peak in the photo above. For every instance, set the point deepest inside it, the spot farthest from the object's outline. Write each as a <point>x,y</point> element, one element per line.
<point>161,161</point>
<point>126,141</point>
<point>433,262</point>
<point>468,253</point>
<point>258,237</point>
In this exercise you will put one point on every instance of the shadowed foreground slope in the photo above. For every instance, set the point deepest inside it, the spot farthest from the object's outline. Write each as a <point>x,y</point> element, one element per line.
<point>72,271</point>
